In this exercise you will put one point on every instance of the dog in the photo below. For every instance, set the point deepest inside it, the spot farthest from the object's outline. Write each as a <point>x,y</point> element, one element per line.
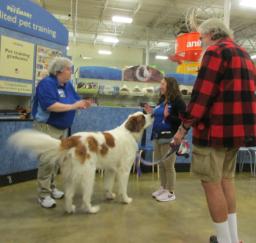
<point>82,153</point>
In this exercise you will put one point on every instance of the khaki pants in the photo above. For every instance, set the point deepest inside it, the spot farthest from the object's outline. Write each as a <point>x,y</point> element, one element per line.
<point>166,168</point>
<point>213,164</point>
<point>47,170</point>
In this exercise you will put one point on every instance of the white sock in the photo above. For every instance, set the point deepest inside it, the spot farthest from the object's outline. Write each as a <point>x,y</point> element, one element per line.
<point>222,230</point>
<point>232,221</point>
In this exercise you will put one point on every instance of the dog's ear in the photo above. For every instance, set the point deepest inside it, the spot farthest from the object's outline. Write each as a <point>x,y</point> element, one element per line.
<point>135,123</point>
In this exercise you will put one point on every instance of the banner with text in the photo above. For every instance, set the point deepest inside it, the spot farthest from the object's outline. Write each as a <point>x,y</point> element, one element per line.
<point>29,18</point>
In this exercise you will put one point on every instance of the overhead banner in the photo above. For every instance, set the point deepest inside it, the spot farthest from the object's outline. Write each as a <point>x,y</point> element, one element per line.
<point>29,18</point>
<point>15,87</point>
<point>16,58</point>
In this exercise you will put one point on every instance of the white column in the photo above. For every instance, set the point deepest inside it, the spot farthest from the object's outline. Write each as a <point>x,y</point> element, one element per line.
<point>147,50</point>
<point>227,9</point>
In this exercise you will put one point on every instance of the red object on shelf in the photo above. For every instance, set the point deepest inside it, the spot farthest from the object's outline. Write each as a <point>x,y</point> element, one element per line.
<point>188,48</point>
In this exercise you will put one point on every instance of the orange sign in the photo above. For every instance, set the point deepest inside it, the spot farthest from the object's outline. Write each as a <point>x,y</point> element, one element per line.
<point>188,47</point>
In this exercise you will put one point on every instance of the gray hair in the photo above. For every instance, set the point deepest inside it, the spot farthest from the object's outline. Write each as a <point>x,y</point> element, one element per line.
<point>216,28</point>
<point>58,64</point>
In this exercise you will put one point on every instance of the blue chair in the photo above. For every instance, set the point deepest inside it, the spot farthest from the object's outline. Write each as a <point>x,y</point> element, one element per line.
<point>242,155</point>
<point>147,148</point>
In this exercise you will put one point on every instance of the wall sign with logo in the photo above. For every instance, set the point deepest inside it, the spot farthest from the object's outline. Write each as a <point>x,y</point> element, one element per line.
<point>16,58</point>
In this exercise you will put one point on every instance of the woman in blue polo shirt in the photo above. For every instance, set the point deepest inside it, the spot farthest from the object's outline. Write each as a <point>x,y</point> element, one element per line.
<point>166,123</point>
<point>54,106</point>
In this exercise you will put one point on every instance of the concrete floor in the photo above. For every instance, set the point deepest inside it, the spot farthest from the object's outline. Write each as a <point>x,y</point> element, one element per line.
<point>185,220</point>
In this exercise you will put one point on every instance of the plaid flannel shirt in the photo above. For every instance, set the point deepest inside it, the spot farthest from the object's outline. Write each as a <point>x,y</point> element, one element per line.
<point>222,109</point>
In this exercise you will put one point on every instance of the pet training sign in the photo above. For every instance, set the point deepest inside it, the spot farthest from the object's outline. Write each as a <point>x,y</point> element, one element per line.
<point>16,58</point>
<point>29,18</point>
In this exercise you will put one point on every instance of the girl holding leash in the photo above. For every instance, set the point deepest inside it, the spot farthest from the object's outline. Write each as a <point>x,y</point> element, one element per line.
<point>165,125</point>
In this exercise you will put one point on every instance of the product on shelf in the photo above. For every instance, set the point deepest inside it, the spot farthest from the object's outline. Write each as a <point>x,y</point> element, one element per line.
<point>87,88</point>
<point>137,91</point>
<point>124,90</point>
<point>149,90</point>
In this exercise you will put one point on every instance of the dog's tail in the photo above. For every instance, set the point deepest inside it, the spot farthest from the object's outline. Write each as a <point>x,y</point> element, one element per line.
<point>36,143</point>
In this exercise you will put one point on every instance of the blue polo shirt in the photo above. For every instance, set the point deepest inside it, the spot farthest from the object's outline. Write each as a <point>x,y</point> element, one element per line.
<point>49,92</point>
<point>160,124</point>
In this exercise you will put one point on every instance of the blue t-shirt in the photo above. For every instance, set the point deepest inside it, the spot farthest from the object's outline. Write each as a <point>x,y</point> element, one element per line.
<point>49,92</point>
<point>160,124</point>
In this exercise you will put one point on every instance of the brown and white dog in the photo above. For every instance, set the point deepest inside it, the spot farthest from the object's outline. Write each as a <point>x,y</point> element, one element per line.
<point>80,154</point>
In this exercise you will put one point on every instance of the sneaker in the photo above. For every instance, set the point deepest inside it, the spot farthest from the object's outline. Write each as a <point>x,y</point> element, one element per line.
<point>47,202</point>
<point>57,194</point>
<point>158,192</point>
<point>166,196</point>
<point>213,239</point>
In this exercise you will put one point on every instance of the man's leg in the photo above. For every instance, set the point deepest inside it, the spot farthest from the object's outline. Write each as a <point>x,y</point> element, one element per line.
<point>228,186</point>
<point>230,195</point>
<point>207,163</point>
<point>216,201</point>
<point>218,208</point>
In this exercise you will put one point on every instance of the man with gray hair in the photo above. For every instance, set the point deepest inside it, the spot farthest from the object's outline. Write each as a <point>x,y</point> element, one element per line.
<point>54,106</point>
<point>222,112</point>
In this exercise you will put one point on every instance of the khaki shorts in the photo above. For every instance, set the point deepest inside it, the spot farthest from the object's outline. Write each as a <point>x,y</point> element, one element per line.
<point>50,130</point>
<point>213,164</point>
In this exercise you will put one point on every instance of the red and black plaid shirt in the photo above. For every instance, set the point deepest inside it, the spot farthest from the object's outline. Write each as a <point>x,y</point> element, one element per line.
<point>222,109</point>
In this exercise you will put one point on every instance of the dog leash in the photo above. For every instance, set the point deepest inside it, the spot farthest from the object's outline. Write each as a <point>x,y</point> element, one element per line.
<point>181,150</point>
<point>171,150</point>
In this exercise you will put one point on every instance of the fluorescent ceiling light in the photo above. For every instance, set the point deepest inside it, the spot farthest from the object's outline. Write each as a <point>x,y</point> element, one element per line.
<point>86,58</point>
<point>161,57</point>
<point>253,57</point>
<point>104,52</point>
<point>122,19</point>
<point>162,44</point>
<point>248,3</point>
<point>110,39</point>
<point>61,16</point>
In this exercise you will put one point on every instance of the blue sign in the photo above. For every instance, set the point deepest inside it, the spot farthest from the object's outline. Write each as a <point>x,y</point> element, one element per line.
<point>185,79</point>
<point>29,18</point>
<point>98,72</point>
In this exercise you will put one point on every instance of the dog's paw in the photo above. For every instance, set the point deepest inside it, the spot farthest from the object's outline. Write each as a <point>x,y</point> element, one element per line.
<point>110,195</point>
<point>127,200</point>
<point>71,209</point>
<point>93,209</point>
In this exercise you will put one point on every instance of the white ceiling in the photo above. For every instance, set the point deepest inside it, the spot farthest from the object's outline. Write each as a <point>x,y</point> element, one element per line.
<point>154,21</point>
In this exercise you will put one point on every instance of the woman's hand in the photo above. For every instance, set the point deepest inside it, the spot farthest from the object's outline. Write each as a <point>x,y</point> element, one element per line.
<point>148,108</point>
<point>82,104</point>
<point>88,103</point>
